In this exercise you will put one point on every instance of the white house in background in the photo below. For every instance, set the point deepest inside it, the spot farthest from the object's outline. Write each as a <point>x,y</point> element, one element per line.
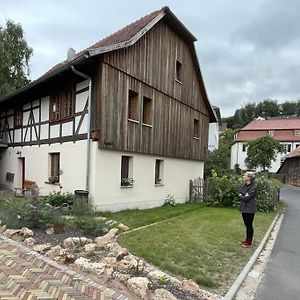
<point>285,131</point>
<point>214,131</point>
<point>126,119</point>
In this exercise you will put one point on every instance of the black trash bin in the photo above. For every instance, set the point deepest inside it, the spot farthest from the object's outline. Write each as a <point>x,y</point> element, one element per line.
<point>81,194</point>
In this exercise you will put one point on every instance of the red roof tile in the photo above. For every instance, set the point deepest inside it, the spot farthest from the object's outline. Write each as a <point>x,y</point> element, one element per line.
<point>122,35</point>
<point>279,135</point>
<point>271,124</point>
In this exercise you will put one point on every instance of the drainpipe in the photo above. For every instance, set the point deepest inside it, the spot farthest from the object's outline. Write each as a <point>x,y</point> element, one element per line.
<point>88,144</point>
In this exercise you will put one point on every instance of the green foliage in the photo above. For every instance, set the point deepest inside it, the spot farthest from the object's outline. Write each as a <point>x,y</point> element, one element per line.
<point>90,225</point>
<point>224,192</point>
<point>59,198</point>
<point>14,58</point>
<point>80,207</point>
<point>32,213</point>
<point>261,152</point>
<point>219,159</point>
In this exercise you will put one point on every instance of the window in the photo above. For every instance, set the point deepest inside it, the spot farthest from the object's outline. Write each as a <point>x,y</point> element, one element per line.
<point>54,108</point>
<point>158,171</point>
<point>297,132</point>
<point>244,149</point>
<point>178,74</point>
<point>18,117</point>
<point>271,132</point>
<point>54,167</point>
<point>297,145</point>
<point>68,104</point>
<point>147,111</point>
<point>126,171</point>
<point>133,106</point>
<point>62,104</point>
<point>196,128</point>
<point>287,147</point>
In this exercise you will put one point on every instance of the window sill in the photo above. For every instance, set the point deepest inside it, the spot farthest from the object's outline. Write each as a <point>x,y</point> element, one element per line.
<point>196,138</point>
<point>147,125</point>
<point>178,81</point>
<point>158,184</point>
<point>126,186</point>
<point>56,183</point>
<point>133,121</point>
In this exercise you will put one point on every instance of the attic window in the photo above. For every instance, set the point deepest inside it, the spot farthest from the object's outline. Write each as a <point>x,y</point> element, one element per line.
<point>18,117</point>
<point>133,106</point>
<point>271,132</point>
<point>147,111</point>
<point>297,132</point>
<point>178,75</point>
<point>196,129</point>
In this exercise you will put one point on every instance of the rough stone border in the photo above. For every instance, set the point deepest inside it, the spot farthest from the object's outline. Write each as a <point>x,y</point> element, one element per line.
<point>113,294</point>
<point>243,275</point>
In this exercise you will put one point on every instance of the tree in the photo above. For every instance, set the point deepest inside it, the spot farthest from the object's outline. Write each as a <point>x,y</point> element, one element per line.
<point>219,159</point>
<point>261,152</point>
<point>268,108</point>
<point>289,108</point>
<point>14,58</point>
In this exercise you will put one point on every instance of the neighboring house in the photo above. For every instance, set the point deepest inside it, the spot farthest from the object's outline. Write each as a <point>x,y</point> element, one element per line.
<point>290,168</point>
<point>286,131</point>
<point>214,131</point>
<point>140,135</point>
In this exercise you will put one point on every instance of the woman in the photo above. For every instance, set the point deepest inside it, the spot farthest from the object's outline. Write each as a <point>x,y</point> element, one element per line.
<point>247,197</point>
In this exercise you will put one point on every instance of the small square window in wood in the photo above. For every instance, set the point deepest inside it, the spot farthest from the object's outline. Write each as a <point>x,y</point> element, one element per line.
<point>147,111</point>
<point>54,167</point>
<point>178,70</point>
<point>133,106</point>
<point>68,103</point>
<point>158,171</point>
<point>54,108</point>
<point>196,128</point>
<point>18,118</point>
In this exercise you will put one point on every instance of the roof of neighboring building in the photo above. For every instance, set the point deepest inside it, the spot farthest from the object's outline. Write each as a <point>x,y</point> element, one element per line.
<point>279,135</point>
<point>271,124</point>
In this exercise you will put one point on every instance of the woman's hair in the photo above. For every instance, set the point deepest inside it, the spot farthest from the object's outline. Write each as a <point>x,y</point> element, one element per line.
<point>251,175</point>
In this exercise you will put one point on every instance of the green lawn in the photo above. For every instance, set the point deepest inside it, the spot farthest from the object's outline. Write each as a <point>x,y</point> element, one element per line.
<point>135,218</point>
<point>201,244</point>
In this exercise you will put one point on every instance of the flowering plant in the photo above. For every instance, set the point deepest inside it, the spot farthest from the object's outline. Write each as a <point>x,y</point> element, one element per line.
<point>127,181</point>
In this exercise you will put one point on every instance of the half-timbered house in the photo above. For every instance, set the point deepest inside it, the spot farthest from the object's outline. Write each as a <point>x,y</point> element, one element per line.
<point>126,119</point>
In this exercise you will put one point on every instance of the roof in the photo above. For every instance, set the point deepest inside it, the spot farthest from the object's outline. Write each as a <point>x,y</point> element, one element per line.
<point>125,37</point>
<point>273,124</point>
<point>279,135</point>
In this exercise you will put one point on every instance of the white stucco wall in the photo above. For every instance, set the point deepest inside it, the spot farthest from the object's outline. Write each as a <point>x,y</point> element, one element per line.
<point>239,156</point>
<point>72,164</point>
<point>213,136</point>
<point>106,190</point>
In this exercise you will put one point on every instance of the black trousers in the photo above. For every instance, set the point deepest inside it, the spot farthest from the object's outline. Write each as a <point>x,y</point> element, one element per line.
<point>248,221</point>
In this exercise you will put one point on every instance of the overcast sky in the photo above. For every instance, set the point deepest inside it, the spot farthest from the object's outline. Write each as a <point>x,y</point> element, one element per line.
<point>248,50</point>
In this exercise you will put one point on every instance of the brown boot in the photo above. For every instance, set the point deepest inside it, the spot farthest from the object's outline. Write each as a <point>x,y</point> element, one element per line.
<point>248,244</point>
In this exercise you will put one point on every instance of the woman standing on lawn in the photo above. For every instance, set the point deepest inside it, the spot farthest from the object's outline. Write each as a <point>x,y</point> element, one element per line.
<point>247,197</point>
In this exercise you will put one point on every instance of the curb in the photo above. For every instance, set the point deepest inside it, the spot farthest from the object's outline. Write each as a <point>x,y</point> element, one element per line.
<point>241,278</point>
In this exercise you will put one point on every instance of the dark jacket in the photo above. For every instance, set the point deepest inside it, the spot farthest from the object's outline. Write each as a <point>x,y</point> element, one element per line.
<point>248,203</point>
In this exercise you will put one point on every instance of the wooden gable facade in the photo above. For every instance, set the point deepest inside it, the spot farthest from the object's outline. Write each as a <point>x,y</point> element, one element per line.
<point>157,78</point>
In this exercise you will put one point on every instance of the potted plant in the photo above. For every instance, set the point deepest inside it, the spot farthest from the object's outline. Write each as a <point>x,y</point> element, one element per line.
<point>58,221</point>
<point>127,181</point>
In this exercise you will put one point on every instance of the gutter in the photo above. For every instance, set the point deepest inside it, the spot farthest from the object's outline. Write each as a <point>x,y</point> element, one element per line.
<point>88,142</point>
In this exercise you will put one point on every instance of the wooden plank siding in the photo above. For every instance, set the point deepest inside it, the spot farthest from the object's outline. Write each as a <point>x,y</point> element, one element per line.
<point>148,68</point>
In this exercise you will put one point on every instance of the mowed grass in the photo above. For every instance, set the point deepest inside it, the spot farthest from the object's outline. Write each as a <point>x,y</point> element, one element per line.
<point>201,244</point>
<point>135,218</point>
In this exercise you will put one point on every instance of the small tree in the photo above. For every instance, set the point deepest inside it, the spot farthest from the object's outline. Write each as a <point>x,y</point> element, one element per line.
<point>262,152</point>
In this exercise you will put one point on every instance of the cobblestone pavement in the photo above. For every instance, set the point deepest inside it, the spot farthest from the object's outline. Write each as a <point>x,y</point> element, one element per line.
<point>25,274</point>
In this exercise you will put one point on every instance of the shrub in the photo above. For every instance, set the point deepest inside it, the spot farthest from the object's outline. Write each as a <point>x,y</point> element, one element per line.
<point>169,201</point>
<point>89,225</point>
<point>59,198</point>
<point>224,192</point>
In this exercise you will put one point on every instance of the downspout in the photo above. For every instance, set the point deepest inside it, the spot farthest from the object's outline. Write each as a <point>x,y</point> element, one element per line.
<point>88,144</point>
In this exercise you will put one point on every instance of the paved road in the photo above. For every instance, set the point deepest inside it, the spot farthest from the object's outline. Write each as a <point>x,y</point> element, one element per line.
<point>24,274</point>
<point>282,275</point>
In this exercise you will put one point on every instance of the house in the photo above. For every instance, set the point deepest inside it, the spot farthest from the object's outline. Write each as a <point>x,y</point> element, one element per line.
<point>214,131</point>
<point>125,120</point>
<point>285,131</point>
<point>290,168</point>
